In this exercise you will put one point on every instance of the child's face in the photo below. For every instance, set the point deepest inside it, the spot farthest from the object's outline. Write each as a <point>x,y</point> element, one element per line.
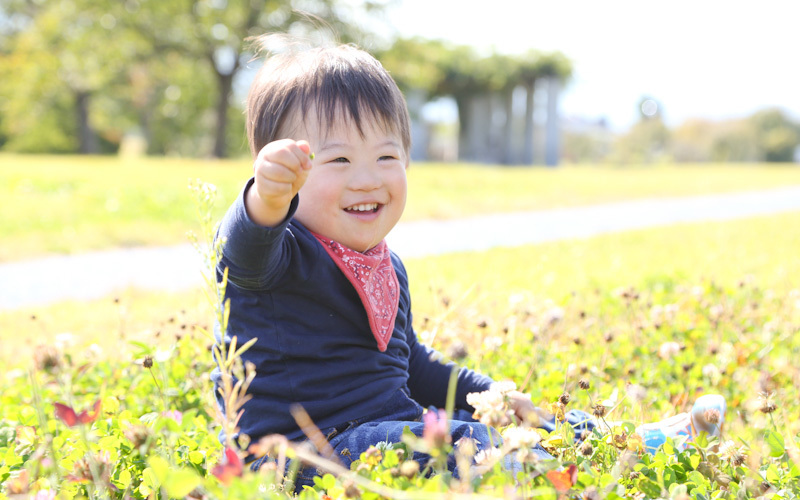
<point>356,191</point>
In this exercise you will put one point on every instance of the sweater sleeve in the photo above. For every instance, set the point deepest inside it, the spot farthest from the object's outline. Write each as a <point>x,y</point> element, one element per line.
<point>254,255</point>
<point>428,376</point>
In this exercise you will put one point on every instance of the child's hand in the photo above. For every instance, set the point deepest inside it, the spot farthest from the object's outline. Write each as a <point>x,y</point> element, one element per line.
<point>524,409</point>
<point>280,170</point>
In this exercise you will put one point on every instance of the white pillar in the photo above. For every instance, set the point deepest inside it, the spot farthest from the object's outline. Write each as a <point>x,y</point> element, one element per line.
<point>552,147</point>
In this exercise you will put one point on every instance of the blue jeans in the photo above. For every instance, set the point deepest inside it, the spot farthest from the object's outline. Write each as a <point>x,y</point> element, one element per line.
<point>355,437</point>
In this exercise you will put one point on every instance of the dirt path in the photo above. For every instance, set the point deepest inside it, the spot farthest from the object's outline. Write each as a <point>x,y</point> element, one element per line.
<point>96,274</point>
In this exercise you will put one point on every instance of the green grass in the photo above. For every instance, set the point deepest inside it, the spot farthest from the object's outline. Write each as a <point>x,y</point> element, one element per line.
<point>761,248</point>
<point>69,204</point>
<point>543,315</point>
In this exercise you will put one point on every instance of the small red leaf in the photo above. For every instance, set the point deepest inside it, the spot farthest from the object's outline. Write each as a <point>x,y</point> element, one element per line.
<point>231,466</point>
<point>66,414</point>
<point>563,480</point>
<point>84,417</point>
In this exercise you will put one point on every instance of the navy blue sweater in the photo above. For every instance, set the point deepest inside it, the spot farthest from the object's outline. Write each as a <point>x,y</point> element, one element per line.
<point>314,342</point>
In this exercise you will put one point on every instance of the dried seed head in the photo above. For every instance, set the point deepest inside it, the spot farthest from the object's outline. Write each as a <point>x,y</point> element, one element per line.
<point>599,410</point>
<point>409,469</point>
<point>47,358</point>
<point>767,406</point>
<point>620,440</point>
<point>711,415</point>
<point>564,398</point>
<point>148,361</point>
<point>584,384</point>
<point>457,350</point>
<point>351,490</point>
<point>586,449</point>
<point>138,435</point>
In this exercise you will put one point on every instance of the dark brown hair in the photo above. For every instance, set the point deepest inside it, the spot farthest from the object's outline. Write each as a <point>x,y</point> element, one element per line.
<point>338,82</point>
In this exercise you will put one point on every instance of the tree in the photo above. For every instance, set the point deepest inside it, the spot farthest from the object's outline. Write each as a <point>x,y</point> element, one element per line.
<point>58,60</point>
<point>648,140</point>
<point>777,137</point>
<point>85,72</point>
<point>216,32</point>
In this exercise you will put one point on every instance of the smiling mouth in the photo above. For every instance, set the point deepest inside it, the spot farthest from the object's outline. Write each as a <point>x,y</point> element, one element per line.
<point>363,208</point>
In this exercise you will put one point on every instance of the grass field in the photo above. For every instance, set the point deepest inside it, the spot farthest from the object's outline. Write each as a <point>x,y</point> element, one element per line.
<point>647,319</point>
<point>601,310</point>
<point>65,204</point>
<point>761,248</point>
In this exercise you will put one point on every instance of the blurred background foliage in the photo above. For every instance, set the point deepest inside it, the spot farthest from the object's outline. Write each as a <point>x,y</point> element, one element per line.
<point>169,78</point>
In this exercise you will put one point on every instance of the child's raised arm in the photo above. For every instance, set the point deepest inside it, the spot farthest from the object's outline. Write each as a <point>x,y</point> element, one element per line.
<point>280,170</point>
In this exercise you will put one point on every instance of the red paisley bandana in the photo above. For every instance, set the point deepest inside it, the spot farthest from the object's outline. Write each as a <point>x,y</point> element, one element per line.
<point>372,275</point>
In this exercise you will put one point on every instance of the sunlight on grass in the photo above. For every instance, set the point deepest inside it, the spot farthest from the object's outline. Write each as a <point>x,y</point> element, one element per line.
<point>638,323</point>
<point>762,249</point>
<point>69,204</point>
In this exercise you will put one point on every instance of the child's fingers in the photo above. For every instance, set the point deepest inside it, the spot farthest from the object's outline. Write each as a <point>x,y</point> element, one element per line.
<point>283,161</point>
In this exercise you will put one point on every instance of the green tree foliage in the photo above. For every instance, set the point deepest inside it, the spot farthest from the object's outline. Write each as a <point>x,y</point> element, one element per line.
<point>59,59</point>
<point>766,136</point>
<point>214,34</point>
<point>776,135</point>
<point>86,73</point>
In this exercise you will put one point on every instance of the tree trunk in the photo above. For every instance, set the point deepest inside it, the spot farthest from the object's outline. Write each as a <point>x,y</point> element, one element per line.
<point>225,82</point>
<point>464,105</point>
<point>552,148</point>
<point>86,136</point>
<point>420,134</point>
<point>480,128</point>
<point>527,144</point>
<point>506,141</point>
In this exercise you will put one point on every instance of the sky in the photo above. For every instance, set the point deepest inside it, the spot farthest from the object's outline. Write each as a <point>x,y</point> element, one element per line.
<point>706,59</point>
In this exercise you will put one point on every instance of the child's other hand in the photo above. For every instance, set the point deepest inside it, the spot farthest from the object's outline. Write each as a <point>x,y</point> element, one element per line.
<point>524,409</point>
<point>280,170</point>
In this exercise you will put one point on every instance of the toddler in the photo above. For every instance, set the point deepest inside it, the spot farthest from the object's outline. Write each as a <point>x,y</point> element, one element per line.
<point>310,274</point>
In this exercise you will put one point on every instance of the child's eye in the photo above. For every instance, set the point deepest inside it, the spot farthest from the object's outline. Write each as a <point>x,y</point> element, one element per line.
<point>341,159</point>
<point>387,157</point>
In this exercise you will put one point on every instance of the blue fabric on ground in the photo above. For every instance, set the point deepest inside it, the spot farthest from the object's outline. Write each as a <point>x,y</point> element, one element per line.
<point>348,442</point>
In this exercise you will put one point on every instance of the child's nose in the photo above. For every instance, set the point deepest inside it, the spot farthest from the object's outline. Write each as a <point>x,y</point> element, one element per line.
<point>365,178</point>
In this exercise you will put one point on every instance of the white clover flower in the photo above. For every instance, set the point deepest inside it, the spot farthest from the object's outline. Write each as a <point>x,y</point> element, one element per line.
<point>636,392</point>
<point>716,311</point>
<point>490,408</point>
<point>65,340</point>
<point>668,350</point>
<point>492,343</point>
<point>657,313</point>
<point>521,437</point>
<point>711,371</point>
<point>554,315</point>
<point>503,387</point>
<point>488,456</point>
